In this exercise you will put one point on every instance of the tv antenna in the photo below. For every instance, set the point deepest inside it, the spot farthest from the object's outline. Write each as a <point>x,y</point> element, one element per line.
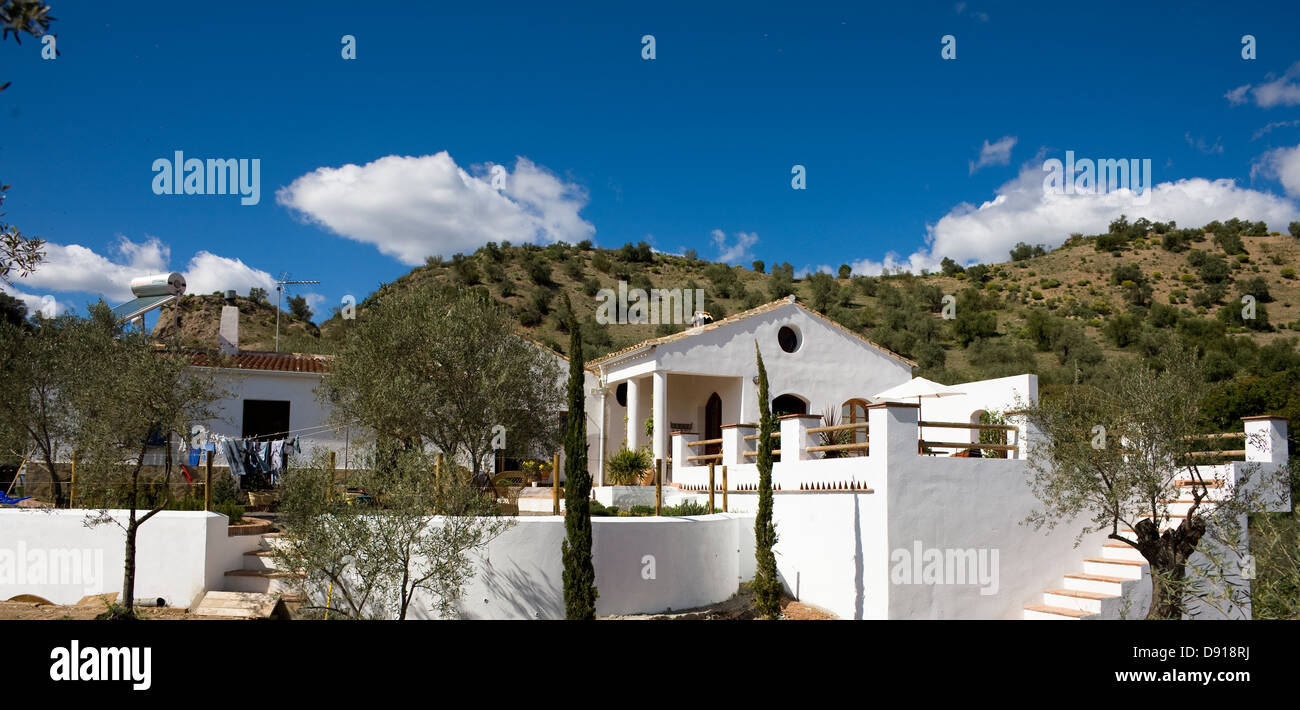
<point>279,290</point>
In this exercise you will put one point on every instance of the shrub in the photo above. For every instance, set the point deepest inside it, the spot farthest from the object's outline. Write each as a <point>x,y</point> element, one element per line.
<point>629,467</point>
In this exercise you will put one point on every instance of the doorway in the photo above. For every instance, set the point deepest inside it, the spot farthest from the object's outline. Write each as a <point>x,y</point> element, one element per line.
<point>713,423</point>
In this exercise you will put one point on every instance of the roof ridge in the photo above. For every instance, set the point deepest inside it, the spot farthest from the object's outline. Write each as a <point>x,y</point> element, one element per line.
<point>741,315</point>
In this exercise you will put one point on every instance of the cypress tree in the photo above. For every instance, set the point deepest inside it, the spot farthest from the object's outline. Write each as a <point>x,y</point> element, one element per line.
<point>579,574</point>
<point>767,586</point>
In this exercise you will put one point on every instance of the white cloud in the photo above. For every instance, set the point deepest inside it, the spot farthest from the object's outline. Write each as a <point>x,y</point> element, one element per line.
<point>807,270</point>
<point>1283,164</point>
<point>1275,124</point>
<point>412,207</point>
<point>1022,211</point>
<point>996,153</point>
<point>77,269</point>
<point>739,250</point>
<point>1203,145</point>
<point>46,305</point>
<point>74,268</point>
<point>1282,91</point>
<point>981,16</point>
<point>210,273</point>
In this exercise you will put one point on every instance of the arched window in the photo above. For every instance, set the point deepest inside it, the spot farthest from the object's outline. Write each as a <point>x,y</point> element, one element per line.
<point>713,423</point>
<point>789,404</point>
<point>620,394</point>
<point>854,411</point>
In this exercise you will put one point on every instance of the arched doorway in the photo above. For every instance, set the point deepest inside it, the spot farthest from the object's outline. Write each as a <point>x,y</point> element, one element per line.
<point>713,423</point>
<point>788,404</point>
<point>855,412</point>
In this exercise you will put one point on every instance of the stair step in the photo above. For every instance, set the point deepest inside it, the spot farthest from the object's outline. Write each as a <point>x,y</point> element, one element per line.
<point>240,605</point>
<point>264,573</point>
<point>1097,596</point>
<point>1113,561</point>
<point>1058,611</point>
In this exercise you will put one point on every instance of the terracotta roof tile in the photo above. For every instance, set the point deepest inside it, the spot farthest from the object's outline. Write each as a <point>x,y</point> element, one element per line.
<point>269,362</point>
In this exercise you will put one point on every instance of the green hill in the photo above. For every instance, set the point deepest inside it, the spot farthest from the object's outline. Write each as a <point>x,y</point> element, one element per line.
<point>1057,313</point>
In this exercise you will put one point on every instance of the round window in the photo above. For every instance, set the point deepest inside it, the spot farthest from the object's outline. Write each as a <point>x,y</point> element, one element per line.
<point>788,337</point>
<point>620,393</point>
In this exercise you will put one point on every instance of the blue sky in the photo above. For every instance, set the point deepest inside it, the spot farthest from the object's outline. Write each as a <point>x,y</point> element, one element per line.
<point>908,157</point>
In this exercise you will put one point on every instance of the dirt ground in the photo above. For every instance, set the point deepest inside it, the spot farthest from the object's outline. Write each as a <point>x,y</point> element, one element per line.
<point>12,611</point>
<point>738,608</point>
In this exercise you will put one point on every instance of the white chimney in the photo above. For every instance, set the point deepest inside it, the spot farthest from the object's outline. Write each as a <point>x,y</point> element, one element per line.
<point>228,338</point>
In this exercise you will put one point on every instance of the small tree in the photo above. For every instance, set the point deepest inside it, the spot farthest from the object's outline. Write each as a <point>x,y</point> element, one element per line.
<point>1117,451</point>
<point>127,394</point>
<point>579,575</point>
<point>373,557</point>
<point>767,586</point>
<point>38,365</point>
<point>299,308</point>
<point>425,366</point>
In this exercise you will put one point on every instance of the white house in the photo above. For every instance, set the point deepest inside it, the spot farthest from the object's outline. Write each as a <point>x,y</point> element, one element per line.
<point>705,378</point>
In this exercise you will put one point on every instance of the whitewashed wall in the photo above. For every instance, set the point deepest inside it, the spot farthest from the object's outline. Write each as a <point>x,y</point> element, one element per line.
<point>178,554</point>
<point>305,411</point>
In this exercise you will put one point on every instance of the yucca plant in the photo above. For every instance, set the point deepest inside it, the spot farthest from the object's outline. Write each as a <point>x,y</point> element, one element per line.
<point>835,438</point>
<point>628,467</point>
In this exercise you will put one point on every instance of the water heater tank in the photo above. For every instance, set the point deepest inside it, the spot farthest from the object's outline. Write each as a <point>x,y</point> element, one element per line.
<point>172,284</point>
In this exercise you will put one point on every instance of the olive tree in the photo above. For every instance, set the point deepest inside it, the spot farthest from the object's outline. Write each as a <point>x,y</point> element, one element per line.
<point>407,534</point>
<point>127,393</point>
<point>429,366</point>
<point>1121,451</point>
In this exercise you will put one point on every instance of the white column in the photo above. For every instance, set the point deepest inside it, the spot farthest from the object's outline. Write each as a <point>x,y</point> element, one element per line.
<point>795,438</point>
<point>681,451</point>
<point>633,412</point>
<point>660,414</point>
<point>1266,439</point>
<point>892,429</point>
<point>734,445</point>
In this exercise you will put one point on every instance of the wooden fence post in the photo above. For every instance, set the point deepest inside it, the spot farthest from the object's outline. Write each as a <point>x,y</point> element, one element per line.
<point>724,489</point>
<point>711,487</point>
<point>659,487</point>
<point>329,492</point>
<point>555,485</point>
<point>207,482</point>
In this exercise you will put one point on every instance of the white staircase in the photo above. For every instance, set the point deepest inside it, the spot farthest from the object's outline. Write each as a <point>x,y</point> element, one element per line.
<point>256,590</point>
<point>1117,584</point>
<point>259,573</point>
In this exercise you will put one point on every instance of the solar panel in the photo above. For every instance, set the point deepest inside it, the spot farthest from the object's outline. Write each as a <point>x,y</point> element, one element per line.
<point>132,309</point>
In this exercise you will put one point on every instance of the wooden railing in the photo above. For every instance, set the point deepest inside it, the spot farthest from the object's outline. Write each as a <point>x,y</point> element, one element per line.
<point>1230,453</point>
<point>705,457</point>
<point>925,447</point>
<point>856,446</point>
